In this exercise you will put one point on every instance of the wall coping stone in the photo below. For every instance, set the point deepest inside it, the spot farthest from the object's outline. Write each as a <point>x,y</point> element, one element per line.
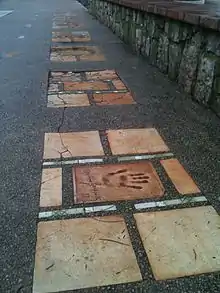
<point>205,15</point>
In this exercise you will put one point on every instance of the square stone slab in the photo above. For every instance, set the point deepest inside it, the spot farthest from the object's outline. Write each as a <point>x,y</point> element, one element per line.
<point>116,182</point>
<point>180,178</point>
<point>81,253</point>
<point>72,144</point>
<point>103,99</point>
<point>181,242</point>
<point>136,141</point>
<point>51,187</point>
<point>67,100</point>
<point>67,37</point>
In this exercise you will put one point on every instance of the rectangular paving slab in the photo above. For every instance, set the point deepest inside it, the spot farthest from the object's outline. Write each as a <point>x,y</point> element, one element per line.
<point>81,253</point>
<point>72,144</point>
<point>68,37</point>
<point>136,141</point>
<point>76,53</point>
<point>181,242</point>
<point>116,182</point>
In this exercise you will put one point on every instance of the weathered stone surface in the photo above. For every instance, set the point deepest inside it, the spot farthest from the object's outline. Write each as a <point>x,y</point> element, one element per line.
<point>147,46</point>
<point>189,63</point>
<point>203,87</point>
<point>180,49</point>
<point>175,54</point>
<point>213,44</point>
<point>153,51</point>
<point>217,85</point>
<point>162,54</point>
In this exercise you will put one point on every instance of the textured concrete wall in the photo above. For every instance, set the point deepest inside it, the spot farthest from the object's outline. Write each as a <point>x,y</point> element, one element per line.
<point>188,54</point>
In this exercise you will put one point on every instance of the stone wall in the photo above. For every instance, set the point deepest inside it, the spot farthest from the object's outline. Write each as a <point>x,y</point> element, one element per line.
<point>187,53</point>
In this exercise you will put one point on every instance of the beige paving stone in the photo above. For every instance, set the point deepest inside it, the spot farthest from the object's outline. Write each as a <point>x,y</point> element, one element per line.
<point>64,76</point>
<point>66,56</point>
<point>80,253</point>
<point>136,141</point>
<point>180,178</point>
<point>102,75</point>
<point>51,187</point>
<point>119,85</point>
<point>181,242</point>
<point>94,57</point>
<point>84,53</point>
<point>68,100</point>
<point>116,182</point>
<point>78,36</point>
<point>72,144</point>
<point>113,99</point>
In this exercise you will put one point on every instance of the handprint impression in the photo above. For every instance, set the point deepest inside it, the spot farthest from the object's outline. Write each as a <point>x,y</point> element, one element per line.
<point>122,178</point>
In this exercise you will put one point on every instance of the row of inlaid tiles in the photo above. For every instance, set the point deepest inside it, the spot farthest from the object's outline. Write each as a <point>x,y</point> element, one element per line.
<point>110,182</point>
<point>114,182</point>
<point>97,251</point>
<point>71,89</point>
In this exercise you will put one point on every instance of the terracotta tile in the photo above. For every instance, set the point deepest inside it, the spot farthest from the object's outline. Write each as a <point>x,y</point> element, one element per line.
<point>51,187</point>
<point>81,253</point>
<point>119,85</point>
<point>113,98</point>
<point>72,144</point>
<point>103,75</point>
<point>181,242</point>
<point>180,178</point>
<point>116,182</point>
<point>136,141</point>
<point>86,85</point>
<point>68,100</point>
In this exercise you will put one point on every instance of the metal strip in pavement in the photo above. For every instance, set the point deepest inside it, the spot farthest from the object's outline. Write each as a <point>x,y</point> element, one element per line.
<point>75,211</point>
<point>165,203</point>
<point>145,157</point>
<point>71,162</point>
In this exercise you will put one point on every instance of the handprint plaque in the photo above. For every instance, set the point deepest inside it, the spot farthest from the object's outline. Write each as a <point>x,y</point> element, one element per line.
<point>116,182</point>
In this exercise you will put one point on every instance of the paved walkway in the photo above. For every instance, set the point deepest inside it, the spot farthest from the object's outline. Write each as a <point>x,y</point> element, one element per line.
<point>109,175</point>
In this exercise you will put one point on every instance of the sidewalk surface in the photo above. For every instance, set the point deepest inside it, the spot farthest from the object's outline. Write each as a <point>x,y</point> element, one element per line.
<point>109,175</point>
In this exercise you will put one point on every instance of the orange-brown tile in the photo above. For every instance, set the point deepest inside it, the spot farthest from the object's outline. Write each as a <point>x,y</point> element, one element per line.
<point>181,242</point>
<point>103,75</point>
<point>72,144</point>
<point>136,141</point>
<point>113,98</point>
<point>68,100</point>
<point>180,178</point>
<point>116,182</point>
<point>51,187</point>
<point>119,85</point>
<point>82,253</point>
<point>86,85</point>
